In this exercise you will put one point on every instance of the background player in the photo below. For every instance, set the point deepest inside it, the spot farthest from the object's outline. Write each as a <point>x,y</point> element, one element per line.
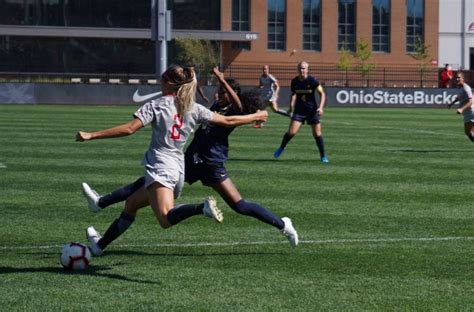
<point>464,98</point>
<point>305,108</point>
<point>269,90</point>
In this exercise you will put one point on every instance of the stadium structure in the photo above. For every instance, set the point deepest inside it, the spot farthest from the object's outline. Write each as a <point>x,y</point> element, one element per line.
<point>114,38</point>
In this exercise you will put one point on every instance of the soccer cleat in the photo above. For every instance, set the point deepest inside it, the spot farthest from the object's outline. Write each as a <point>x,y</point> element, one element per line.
<point>278,152</point>
<point>324,160</point>
<point>290,232</point>
<point>210,209</point>
<point>92,197</point>
<point>93,237</point>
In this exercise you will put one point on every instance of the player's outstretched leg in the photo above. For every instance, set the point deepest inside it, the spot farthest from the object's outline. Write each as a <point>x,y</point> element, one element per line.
<point>290,232</point>
<point>92,197</point>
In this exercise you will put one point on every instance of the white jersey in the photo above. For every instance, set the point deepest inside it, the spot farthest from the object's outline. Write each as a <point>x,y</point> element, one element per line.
<point>169,132</point>
<point>268,87</point>
<point>464,96</point>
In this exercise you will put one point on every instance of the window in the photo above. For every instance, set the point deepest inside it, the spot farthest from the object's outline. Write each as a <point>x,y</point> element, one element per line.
<point>276,24</point>
<point>381,26</point>
<point>312,25</point>
<point>240,21</point>
<point>415,23</point>
<point>346,39</point>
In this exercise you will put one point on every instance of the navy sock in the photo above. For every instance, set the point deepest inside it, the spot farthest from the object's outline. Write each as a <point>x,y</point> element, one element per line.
<point>121,194</point>
<point>116,229</point>
<point>258,212</point>
<point>286,139</point>
<point>320,144</point>
<point>182,212</point>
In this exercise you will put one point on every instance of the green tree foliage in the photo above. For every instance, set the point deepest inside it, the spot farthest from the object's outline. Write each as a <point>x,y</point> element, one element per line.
<point>203,54</point>
<point>422,55</point>
<point>363,55</point>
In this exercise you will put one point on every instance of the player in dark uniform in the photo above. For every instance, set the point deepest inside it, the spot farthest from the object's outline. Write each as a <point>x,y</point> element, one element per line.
<point>204,161</point>
<point>305,109</point>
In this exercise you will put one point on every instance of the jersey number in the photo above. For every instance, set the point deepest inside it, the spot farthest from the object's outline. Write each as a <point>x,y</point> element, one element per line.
<point>175,133</point>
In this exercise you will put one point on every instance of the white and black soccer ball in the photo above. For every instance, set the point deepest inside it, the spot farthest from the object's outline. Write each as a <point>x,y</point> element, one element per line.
<point>75,256</point>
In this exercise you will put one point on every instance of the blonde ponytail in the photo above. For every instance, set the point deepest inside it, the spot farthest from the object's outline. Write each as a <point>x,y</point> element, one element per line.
<point>186,97</point>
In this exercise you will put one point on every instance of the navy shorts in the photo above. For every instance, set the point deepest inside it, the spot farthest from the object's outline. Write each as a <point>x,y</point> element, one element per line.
<point>310,118</point>
<point>196,170</point>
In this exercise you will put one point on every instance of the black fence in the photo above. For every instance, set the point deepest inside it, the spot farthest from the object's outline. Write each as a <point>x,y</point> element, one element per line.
<point>328,75</point>
<point>331,76</point>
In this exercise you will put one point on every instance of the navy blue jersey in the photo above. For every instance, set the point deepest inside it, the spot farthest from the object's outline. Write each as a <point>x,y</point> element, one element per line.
<point>304,90</point>
<point>210,141</point>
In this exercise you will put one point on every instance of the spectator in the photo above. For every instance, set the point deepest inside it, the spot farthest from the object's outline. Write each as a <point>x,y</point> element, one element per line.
<point>446,76</point>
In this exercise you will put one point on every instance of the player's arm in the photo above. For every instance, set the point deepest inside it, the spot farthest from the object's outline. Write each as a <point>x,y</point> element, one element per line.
<point>277,87</point>
<point>452,102</point>
<point>465,106</point>
<point>201,93</point>
<point>238,120</point>
<point>322,101</point>
<point>234,98</point>
<point>126,129</point>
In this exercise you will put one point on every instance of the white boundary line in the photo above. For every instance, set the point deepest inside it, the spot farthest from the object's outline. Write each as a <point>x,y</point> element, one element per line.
<point>2,166</point>
<point>308,242</point>
<point>359,126</point>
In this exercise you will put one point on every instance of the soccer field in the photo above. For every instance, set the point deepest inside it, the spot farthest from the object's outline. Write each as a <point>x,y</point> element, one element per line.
<point>386,225</point>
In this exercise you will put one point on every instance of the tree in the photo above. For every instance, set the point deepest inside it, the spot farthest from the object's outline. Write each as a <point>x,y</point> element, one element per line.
<point>422,55</point>
<point>203,54</point>
<point>365,65</point>
<point>344,63</point>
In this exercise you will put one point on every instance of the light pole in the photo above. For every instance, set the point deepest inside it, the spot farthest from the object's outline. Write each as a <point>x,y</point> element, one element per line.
<point>160,33</point>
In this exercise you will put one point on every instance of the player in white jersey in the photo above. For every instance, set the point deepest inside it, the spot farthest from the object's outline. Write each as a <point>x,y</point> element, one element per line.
<point>269,92</point>
<point>464,98</point>
<point>172,117</point>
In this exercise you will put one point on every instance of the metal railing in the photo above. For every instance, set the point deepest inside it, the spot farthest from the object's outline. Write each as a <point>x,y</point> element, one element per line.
<point>328,75</point>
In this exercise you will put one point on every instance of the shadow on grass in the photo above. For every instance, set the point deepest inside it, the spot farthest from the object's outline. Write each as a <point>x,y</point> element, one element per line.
<point>167,254</point>
<point>96,271</point>
<point>408,150</point>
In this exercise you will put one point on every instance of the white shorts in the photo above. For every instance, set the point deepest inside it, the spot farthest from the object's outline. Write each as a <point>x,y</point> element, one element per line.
<point>172,179</point>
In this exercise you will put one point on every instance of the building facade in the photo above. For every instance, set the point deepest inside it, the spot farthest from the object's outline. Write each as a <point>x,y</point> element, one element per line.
<point>456,33</point>
<point>114,36</point>
<point>318,30</point>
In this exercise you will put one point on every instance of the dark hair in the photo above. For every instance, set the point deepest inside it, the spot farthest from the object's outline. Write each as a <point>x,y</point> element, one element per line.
<point>251,101</point>
<point>234,85</point>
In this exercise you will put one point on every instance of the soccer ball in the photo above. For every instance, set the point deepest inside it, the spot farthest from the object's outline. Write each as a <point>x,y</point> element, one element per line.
<point>75,256</point>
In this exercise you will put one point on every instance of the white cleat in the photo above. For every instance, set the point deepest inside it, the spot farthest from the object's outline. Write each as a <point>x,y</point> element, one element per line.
<point>290,232</point>
<point>210,209</point>
<point>92,197</point>
<point>93,236</point>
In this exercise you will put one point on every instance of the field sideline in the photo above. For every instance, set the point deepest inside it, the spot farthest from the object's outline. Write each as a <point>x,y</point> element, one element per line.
<point>387,225</point>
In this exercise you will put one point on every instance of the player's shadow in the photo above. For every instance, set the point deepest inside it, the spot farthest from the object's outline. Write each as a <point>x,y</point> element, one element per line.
<point>409,150</point>
<point>96,271</point>
<point>166,254</point>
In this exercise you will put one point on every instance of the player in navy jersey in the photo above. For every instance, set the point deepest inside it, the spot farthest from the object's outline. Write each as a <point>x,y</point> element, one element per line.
<point>204,161</point>
<point>173,118</point>
<point>305,109</point>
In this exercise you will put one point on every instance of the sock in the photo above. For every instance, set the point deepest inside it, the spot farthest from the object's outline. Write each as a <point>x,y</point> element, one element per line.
<point>471,137</point>
<point>182,212</point>
<point>286,139</point>
<point>121,194</point>
<point>282,112</point>
<point>320,144</point>
<point>255,210</point>
<point>116,229</point>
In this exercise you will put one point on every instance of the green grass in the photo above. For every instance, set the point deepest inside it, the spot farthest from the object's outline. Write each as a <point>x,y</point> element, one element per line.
<point>386,226</point>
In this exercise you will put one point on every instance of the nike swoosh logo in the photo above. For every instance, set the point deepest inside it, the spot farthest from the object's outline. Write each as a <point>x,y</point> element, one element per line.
<point>137,98</point>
